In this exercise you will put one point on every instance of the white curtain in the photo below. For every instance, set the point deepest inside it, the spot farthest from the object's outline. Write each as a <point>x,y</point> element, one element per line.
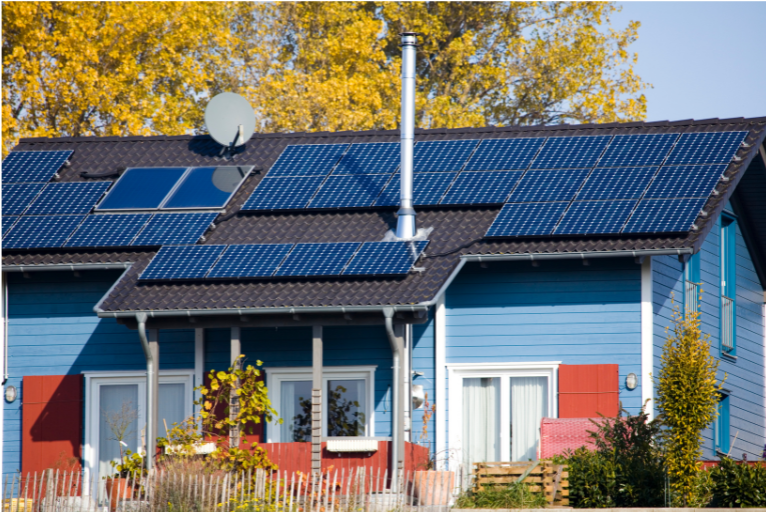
<point>171,408</point>
<point>481,420</point>
<point>529,404</point>
<point>118,415</point>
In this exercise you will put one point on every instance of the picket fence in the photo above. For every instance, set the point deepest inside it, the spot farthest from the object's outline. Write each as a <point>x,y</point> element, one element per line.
<point>359,489</point>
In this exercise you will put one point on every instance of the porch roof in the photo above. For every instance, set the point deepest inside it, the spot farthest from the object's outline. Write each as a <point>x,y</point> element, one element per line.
<point>457,231</point>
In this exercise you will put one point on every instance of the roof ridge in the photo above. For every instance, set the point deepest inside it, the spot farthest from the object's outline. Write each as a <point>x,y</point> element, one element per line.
<point>418,131</point>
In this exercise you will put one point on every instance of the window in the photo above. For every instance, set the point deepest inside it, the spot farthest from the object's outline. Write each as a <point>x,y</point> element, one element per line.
<point>115,404</point>
<point>721,426</point>
<point>692,284</point>
<point>495,410</point>
<point>151,188</point>
<point>348,408</point>
<point>728,286</point>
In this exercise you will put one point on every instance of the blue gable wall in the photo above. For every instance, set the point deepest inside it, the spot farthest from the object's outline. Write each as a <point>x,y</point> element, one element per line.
<point>52,330</point>
<point>291,347</point>
<point>745,375</point>
<point>559,311</point>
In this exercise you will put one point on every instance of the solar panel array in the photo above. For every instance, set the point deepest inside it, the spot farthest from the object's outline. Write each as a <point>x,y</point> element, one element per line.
<point>33,166</point>
<point>107,230</point>
<point>283,260</point>
<point>531,171</point>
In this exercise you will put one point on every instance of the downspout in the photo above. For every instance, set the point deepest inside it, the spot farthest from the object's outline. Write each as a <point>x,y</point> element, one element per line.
<point>388,313</point>
<point>142,317</point>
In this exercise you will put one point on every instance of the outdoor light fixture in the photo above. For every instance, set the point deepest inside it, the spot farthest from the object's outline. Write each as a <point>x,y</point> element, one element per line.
<point>10,393</point>
<point>631,381</point>
<point>418,396</point>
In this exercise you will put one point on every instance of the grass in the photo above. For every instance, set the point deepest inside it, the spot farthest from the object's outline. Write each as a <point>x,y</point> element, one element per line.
<point>513,496</point>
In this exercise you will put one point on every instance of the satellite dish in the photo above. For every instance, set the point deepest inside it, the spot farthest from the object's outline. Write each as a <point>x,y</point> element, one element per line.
<point>230,119</point>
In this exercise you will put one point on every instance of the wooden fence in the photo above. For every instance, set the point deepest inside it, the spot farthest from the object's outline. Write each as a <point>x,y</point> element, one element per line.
<point>544,476</point>
<point>359,489</point>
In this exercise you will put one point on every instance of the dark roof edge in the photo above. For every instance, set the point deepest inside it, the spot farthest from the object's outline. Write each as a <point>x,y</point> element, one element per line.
<point>418,131</point>
<point>406,308</point>
<point>68,267</point>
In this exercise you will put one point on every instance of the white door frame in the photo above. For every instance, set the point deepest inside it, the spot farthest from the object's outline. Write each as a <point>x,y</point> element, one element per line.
<point>458,371</point>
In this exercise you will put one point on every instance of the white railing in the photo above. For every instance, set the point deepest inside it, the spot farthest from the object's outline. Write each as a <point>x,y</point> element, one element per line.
<point>727,324</point>
<point>691,297</point>
<point>357,489</point>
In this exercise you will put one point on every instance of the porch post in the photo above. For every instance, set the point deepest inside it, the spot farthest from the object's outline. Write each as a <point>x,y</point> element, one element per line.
<point>152,396</point>
<point>236,350</point>
<point>400,404</point>
<point>316,400</point>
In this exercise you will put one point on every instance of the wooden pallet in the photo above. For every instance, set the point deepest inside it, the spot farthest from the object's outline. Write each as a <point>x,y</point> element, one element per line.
<point>544,476</point>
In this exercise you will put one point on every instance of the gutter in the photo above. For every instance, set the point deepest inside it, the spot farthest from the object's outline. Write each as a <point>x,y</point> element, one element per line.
<point>65,267</point>
<point>388,313</point>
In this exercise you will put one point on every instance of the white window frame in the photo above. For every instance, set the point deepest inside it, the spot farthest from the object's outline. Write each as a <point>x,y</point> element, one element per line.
<point>276,375</point>
<point>93,383</point>
<point>505,371</point>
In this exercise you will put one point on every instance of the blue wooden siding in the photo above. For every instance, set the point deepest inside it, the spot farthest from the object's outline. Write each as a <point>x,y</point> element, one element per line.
<point>745,375</point>
<point>52,330</point>
<point>291,347</point>
<point>559,311</point>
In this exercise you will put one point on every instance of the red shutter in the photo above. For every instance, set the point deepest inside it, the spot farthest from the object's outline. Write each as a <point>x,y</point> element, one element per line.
<point>51,420</point>
<point>589,390</point>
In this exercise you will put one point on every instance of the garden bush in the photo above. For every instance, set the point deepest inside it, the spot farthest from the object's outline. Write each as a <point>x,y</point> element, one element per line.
<point>739,484</point>
<point>511,496</point>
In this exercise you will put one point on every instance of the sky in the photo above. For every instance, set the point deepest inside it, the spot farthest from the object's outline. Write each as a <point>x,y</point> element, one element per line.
<point>704,59</point>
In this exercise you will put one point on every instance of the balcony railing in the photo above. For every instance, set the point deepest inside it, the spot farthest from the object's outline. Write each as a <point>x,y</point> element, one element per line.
<point>691,297</point>
<point>727,325</point>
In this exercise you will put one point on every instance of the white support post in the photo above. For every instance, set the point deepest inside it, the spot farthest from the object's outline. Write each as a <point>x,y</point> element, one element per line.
<point>440,360</point>
<point>316,400</point>
<point>152,396</point>
<point>199,362</point>
<point>236,350</point>
<point>647,336</point>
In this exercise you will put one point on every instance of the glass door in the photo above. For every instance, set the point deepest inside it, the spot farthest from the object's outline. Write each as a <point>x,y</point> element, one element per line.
<point>481,420</point>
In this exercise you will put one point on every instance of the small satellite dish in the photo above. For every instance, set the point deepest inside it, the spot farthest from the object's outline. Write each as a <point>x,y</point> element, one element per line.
<point>230,120</point>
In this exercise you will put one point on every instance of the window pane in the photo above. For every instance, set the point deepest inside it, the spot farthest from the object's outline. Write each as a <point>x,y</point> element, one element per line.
<point>346,412</point>
<point>206,187</point>
<point>142,188</point>
<point>529,404</point>
<point>117,422</point>
<point>295,411</point>
<point>171,408</point>
<point>481,420</point>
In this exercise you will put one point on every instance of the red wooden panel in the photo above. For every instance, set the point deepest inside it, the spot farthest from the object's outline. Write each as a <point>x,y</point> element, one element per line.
<point>51,420</point>
<point>589,390</point>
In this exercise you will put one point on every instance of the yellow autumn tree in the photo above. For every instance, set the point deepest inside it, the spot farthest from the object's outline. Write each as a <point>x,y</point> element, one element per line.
<point>110,68</point>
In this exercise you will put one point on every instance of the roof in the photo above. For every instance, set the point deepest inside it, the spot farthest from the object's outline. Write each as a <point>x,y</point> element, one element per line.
<point>457,231</point>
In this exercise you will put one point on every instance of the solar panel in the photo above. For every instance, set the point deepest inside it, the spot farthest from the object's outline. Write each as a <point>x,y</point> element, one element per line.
<point>308,259</point>
<point>18,196</point>
<point>527,219</point>
<point>308,160</point>
<point>706,148</point>
<point>350,191</point>
<point>41,231</point>
<point>370,158</point>
<point>142,188</point>
<point>243,261</point>
<point>8,222</point>
<point>283,193</point>
<point>108,230</point>
<point>637,150</point>
<point>548,185</point>
<point>174,229</point>
<point>616,183</point>
<point>68,198</point>
<point>504,154</point>
<point>442,155</point>
<point>675,215</point>
<point>686,181</point>
<point>182,262</point>
<point>33,166</point>
<point>391,258</point>
<point>428,189</point>
<point>570,152</point>
<point>595,217</point>
<point>206,187</point>
<point>477,187</point>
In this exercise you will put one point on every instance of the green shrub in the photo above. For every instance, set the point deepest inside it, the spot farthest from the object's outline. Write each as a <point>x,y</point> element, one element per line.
<point>739,484</point>
<point>625,470</point>
<point>512,496</point>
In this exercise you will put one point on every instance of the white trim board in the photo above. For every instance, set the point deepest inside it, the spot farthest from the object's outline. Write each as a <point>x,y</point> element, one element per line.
<point>440,373</point>
<point>647,335</point>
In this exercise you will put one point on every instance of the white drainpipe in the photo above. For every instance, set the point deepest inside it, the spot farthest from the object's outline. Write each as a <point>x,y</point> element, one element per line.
<point>406,226</point>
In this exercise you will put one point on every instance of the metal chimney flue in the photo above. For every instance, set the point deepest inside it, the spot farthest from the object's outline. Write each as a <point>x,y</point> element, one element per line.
<point>406,227</point>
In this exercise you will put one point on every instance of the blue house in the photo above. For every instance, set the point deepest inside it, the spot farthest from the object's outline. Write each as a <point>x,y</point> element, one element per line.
<point>545,267</point>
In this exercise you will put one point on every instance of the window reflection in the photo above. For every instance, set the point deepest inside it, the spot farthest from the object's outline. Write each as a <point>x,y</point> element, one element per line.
<point>346,410</point>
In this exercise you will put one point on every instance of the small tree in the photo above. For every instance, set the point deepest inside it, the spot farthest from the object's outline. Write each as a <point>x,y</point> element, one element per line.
<point>687,397</point>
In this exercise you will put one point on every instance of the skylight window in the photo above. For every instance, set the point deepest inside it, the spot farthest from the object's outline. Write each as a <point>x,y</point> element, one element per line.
<point>168,188</point>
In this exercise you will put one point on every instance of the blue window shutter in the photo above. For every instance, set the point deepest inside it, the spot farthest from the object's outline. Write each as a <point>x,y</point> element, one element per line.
<point>728,285</point>
<point>721,426</point>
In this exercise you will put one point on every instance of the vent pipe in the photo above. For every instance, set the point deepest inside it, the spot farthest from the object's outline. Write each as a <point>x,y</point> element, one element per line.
<point>405,226</point>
